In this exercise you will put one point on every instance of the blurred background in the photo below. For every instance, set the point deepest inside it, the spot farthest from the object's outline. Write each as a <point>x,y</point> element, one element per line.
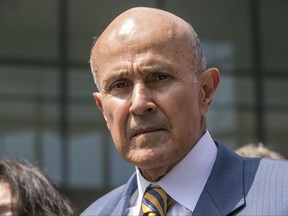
<point>48,115</point>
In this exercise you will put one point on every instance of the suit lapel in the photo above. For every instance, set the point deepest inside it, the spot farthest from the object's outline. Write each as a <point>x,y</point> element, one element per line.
<point>223,192</point>
<point>129,189</point>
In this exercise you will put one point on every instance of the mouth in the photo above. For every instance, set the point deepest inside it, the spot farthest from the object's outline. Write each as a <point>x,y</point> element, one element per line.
<point>145,131</point>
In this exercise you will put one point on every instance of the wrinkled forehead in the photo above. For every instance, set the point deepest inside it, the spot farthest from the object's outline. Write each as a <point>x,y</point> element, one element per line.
<point>149,32</point>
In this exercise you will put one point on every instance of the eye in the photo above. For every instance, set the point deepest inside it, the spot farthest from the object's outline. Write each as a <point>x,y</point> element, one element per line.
<point>119,85</point>
<point>161,76</point>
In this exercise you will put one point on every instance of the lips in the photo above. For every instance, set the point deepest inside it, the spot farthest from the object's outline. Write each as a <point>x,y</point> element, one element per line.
<point>142,131</point>
<point>146,125</point>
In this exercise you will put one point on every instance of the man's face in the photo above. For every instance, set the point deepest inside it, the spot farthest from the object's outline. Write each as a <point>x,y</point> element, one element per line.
<point>150,99</point>
<point>5,198</point>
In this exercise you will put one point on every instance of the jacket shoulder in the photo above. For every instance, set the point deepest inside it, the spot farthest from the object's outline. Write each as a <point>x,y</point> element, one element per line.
<point>267,192</point>
<point>271,165</point>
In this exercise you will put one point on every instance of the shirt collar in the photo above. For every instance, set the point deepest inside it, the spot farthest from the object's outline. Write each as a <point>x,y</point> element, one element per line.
<point>185,182</point>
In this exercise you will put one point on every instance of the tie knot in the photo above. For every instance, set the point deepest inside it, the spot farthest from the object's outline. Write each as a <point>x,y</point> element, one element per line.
<point>155,202</point>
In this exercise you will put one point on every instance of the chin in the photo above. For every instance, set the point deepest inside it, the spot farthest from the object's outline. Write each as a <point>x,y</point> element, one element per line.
<point>148,159</point>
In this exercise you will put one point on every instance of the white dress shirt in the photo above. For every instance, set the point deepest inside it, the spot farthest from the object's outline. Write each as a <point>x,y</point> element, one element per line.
<point>184,183</point>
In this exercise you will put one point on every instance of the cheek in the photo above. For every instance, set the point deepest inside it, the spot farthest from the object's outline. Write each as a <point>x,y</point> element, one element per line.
<point>183,110</point>
<point>114,110</point>
<point>116,114</point>
<point>183,104</point>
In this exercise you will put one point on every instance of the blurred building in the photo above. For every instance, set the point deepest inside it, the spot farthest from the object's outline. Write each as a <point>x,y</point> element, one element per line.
<point>48,115</point>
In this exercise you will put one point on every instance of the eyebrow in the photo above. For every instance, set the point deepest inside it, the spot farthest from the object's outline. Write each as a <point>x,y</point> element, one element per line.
<point>126,74</point>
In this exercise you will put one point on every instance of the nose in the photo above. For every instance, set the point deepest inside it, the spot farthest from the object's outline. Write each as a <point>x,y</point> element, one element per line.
<point>141,100</point>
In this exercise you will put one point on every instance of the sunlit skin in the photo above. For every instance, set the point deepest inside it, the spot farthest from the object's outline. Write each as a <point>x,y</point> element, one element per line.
<point>5,198</point>
<point>151,97</point>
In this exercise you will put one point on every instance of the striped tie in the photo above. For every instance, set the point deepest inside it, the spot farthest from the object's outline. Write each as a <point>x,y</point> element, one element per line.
<point>155,202</point>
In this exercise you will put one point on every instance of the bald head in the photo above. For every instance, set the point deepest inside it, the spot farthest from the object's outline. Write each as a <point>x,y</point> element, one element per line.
<point>142,27</point>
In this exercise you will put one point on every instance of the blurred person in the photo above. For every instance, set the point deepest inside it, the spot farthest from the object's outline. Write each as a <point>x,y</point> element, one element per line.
<point>154,91</point>
<point>258,151</point>
<point>26,191</point>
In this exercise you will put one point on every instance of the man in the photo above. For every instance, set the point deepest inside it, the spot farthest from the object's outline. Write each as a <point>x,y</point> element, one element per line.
<point>154,93</point>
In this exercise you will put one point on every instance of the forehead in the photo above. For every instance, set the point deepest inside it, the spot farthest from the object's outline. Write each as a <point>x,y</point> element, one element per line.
<point>149,47</point>
<point>4,188</point>
<point>133,64</point>
<point>141,59</point>
<point>5,195</point>
<point>159,39</point>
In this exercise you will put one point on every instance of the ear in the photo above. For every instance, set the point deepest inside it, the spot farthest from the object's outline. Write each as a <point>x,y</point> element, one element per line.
<point>98,99</point>
<point>210,79</point>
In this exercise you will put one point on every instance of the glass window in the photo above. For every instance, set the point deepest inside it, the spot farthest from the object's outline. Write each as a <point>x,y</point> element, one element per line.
<point>85,154</point>
<point>18,144</point>
<point>235,91</point>
<point>222,21</point>
<point>274,34</point>
<point>232,124</point>
<point>85,146</point>
<point>89,18</point>
<point>30,130</point>
<point>52,153</point>
<point>29,29</point>
<point>29,81</point>
<point>119,170</point>
<point>81,84</point>
<point>275,92</point>
<point>276,131</point>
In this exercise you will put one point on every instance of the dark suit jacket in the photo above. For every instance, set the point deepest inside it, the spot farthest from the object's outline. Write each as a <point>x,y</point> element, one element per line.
<point>236,186</point>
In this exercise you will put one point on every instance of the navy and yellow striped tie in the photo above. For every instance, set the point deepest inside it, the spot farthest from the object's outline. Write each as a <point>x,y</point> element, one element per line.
<point>155,202</point>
